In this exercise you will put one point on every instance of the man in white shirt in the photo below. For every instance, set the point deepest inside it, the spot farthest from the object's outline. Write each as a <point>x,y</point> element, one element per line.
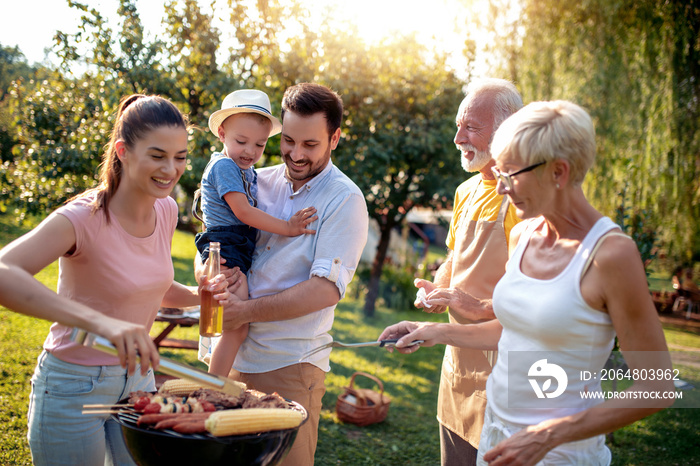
<point>296,282</point>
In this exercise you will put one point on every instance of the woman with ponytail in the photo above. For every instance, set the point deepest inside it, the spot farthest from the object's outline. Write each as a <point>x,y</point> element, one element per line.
<point>112,244</point>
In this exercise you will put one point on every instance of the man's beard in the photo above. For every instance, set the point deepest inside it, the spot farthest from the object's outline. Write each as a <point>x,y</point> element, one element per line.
<point>480,160</point>
<point>312,168</point>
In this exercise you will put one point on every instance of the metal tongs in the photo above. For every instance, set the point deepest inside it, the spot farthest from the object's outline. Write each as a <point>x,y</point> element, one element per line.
<point>166,366</point>
<point>338,344</point>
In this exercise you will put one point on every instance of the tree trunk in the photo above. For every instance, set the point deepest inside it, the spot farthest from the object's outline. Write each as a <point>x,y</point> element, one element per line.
<point>377,266</point>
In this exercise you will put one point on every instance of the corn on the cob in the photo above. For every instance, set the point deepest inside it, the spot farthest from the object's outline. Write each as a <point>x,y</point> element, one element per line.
<point>183,387</point>
<point>179,387</point>
<point>252,420</point>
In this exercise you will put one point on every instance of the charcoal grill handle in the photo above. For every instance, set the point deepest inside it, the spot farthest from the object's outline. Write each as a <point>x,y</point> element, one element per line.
<point>166,366</point>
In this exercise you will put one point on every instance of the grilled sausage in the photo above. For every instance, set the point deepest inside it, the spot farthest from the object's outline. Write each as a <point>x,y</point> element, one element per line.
<point>148,419</point>
<point>191,427</point>
<point>180,418</point>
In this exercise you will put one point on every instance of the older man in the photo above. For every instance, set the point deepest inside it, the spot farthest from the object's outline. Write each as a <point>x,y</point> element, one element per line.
<point>478,243</point>
<point>296,282</point>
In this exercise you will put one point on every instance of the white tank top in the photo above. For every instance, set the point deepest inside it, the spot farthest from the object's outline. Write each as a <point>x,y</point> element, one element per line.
<point>547,323</point>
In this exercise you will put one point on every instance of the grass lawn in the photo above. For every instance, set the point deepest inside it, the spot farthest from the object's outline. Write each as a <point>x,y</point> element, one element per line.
<point>410,433</point>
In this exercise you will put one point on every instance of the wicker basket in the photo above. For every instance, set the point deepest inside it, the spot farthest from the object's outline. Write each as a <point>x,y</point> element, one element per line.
<point>362,406</point>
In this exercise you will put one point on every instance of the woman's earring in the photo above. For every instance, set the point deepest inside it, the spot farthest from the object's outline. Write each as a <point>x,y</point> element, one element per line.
<point>558,187</point>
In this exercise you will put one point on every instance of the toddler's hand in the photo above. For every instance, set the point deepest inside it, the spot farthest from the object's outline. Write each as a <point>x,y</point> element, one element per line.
<point>297,224</point>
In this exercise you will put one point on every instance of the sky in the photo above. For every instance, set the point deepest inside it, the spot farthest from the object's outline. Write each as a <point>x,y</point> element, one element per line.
<point>443,19</point>
<point>21,25</point>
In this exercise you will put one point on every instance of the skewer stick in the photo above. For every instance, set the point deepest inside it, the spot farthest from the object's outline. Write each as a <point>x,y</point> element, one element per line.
<point>105,411</point>
<point>107,406</point>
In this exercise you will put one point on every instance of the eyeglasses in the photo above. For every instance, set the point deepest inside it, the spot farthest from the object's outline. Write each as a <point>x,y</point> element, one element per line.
<point>505,178</point>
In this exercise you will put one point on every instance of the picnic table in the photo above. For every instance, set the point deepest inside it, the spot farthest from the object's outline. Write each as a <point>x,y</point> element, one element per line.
<point>187,319</point>
<point>663,301</point>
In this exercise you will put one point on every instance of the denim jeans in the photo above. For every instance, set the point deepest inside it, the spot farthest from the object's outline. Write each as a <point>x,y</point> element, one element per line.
<point>58,432</point>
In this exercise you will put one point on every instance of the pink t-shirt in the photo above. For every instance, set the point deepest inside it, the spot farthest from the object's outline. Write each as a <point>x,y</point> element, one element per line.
<point>112,272</point>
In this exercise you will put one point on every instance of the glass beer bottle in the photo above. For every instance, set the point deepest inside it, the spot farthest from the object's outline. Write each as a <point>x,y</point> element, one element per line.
<point>211,313</point>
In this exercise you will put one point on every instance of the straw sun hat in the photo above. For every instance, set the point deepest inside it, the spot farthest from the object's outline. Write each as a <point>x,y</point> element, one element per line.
<point>244,101</point>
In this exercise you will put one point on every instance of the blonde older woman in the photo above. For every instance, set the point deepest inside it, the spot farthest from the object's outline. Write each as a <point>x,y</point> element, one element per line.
<point>572,283</point>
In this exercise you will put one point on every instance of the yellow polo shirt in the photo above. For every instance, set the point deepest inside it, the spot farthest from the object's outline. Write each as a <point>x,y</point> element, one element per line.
<point>484,206</point>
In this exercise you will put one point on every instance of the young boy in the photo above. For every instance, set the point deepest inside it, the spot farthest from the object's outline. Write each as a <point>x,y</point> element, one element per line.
<point>228,194</point>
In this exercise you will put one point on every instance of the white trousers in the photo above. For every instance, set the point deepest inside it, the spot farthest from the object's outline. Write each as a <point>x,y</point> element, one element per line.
<point>588,452</point>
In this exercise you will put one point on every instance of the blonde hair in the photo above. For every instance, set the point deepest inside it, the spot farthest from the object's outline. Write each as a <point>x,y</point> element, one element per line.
<point>546,131</point>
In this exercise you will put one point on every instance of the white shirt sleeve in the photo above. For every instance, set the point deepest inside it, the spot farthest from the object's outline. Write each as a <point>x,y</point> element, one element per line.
<point>342,237</point>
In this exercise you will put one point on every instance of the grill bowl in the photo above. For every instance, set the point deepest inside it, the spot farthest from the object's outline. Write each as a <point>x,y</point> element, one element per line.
<point>150,447</point>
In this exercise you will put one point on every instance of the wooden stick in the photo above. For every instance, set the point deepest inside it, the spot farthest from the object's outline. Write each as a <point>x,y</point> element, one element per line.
<point>106,411</point>
<point>106,406</point>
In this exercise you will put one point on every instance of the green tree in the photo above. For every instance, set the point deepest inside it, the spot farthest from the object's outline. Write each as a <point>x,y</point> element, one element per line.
<point>61,126</point>
<point>13,66</point>
<point>135,64</point>
<point>62,122</point>
<point>400,102</point>
<point>196,47</point>
<point>193,43</point>
<point>635,66</point>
